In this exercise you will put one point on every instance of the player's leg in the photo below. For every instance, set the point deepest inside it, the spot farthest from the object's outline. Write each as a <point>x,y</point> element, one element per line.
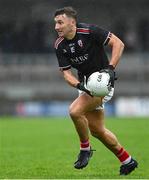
<point>98,130</point>
<point>77,112</point>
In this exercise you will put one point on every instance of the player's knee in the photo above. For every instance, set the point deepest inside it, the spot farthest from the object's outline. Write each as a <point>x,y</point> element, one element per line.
<point>74,112</point>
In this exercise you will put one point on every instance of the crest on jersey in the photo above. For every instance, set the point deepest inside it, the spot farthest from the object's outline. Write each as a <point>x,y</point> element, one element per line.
<point>80,43</point>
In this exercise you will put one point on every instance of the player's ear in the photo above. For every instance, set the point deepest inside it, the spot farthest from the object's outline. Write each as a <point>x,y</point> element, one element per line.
<point>73,21</point>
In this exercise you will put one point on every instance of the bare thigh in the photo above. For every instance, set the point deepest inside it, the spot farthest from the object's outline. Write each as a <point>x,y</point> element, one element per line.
<point>84,104</point>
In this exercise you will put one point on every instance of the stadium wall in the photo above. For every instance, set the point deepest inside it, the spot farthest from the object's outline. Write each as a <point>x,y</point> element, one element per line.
<point>32,83</point>
<point>122,106</point>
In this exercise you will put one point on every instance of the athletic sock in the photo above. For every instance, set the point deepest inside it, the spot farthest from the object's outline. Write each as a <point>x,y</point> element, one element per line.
<point>123,156</point>
<point>85,145</point>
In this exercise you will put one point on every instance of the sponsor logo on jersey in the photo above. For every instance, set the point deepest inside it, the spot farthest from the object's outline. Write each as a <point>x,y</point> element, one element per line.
<point>80,59</point>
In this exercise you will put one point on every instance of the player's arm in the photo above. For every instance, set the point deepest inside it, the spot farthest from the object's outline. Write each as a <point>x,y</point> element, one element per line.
<point>117,47</point>
<point>104,37</point>
<point>65,68</point>
<point>70,78</point>
<point>73,81</point>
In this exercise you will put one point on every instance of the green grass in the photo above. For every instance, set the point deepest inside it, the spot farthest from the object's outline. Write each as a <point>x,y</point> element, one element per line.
<point>46,148</point>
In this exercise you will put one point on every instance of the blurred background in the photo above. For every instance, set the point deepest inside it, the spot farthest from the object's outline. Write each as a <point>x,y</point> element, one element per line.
<point>30,81</point>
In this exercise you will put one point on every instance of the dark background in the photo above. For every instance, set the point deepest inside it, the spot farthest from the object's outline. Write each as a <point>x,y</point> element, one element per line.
<point>28,66</point>
<point>26,26</point>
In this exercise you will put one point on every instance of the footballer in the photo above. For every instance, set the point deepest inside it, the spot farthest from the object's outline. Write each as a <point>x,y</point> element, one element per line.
<point>81,46</point>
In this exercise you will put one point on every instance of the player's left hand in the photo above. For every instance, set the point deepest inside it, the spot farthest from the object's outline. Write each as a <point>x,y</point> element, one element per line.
<point>81,87</point>
<point>111,72</point>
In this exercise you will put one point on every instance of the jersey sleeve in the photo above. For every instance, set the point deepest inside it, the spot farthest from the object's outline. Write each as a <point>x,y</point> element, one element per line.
<point>63,61</point>
<point>101,36</point>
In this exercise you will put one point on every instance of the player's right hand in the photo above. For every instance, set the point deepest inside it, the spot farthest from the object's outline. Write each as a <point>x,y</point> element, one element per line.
<point>81,87</point>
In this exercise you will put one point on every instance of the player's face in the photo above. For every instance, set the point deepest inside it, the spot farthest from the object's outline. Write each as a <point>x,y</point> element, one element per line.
<point>64,25</point>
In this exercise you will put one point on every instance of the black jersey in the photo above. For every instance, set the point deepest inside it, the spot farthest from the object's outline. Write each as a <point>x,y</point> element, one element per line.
<point>85,52</point>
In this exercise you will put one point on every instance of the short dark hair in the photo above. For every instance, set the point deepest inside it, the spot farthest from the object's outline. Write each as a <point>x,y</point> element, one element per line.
<point>69,11</point>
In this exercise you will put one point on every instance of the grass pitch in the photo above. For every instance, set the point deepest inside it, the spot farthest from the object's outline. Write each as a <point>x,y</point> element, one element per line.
<point>46,148</point>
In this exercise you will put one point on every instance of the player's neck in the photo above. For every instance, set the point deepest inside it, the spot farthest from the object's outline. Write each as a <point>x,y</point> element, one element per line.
<point>72,34</point>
